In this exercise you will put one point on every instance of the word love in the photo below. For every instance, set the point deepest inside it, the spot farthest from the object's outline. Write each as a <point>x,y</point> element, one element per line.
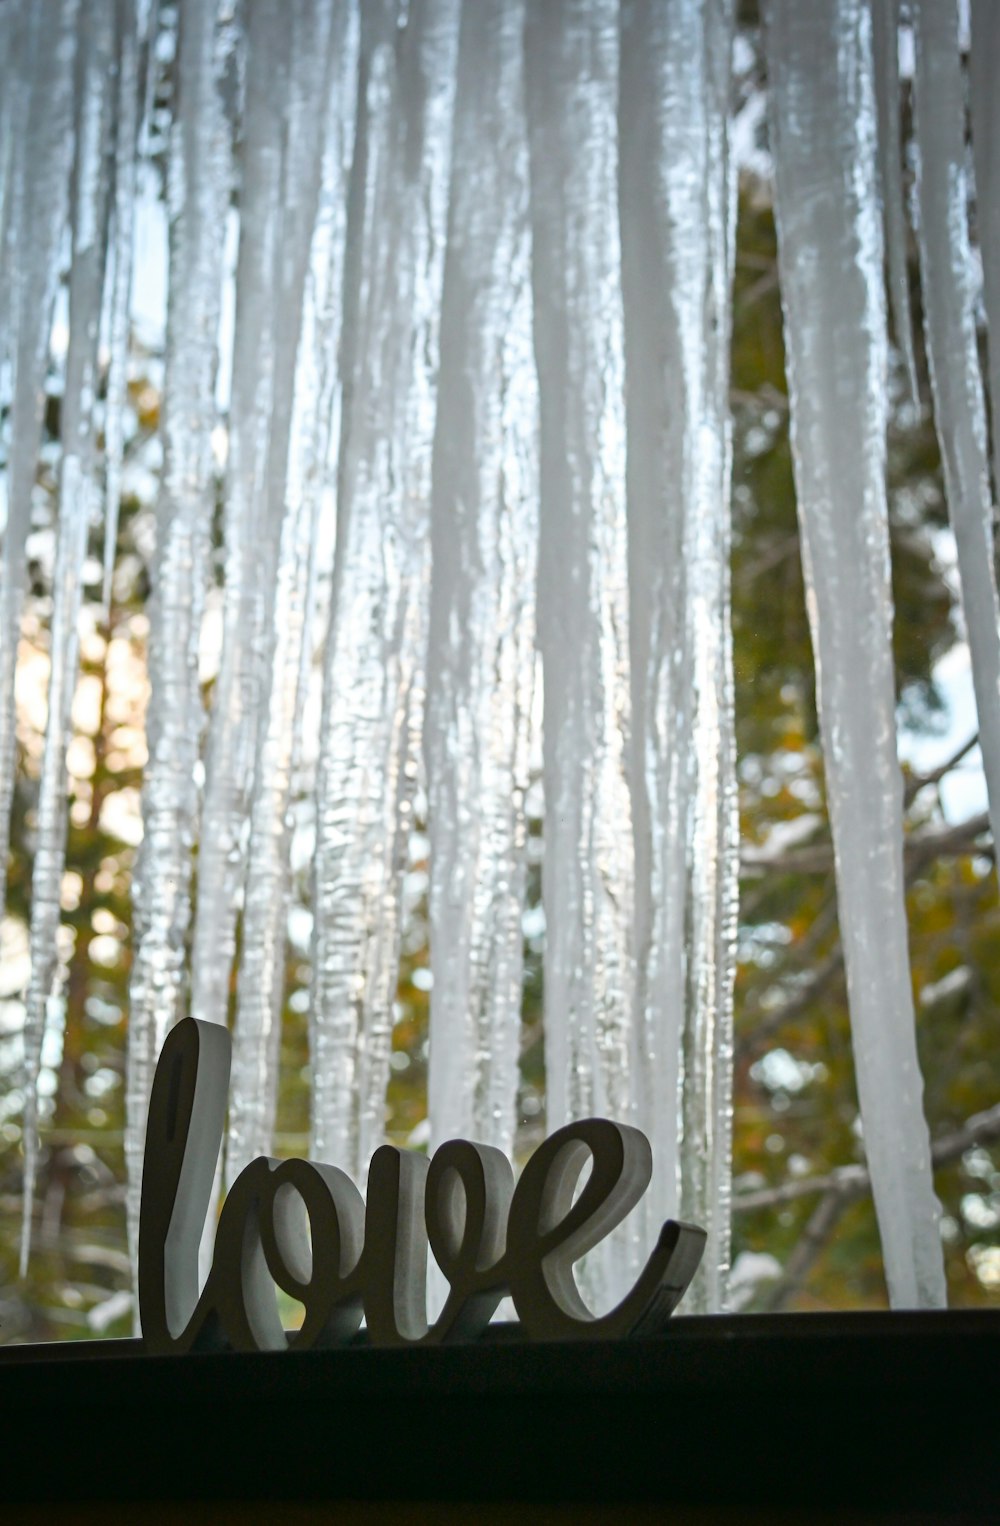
<point>304,1227</point>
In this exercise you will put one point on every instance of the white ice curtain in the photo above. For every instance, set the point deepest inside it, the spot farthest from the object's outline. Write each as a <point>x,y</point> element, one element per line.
<point>478,338</point>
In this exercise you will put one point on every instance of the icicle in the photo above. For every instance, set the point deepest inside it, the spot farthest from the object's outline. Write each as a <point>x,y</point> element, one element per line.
<point>248,532</point>
<point>885,28</point>
<point>984,58</point>
<point>481,651</point>
<point>572,94</point>
<point>36,205</point>
<point>378,629</point>
<point>200,179</point>
<point>133,97</point>
<point>677,231</point>
<point>76,497</point>
<point>13,106</point>
<point>326,67</point>
<point>949,294</point>
<point>830,255</point>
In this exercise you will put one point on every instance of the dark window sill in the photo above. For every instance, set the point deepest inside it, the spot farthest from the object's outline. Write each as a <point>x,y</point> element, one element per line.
<point>864,1411</point>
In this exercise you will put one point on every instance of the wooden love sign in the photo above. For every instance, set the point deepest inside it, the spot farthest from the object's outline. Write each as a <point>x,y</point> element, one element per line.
<point>305,1227</point>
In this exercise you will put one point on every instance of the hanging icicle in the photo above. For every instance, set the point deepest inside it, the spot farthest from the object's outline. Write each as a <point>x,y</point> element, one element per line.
<point>983,57</point>
<point>885,40</point>
<point>823,121</point>
<point>135,69</point>
<point>200,181</point>
<point>481,651</point>
<point>35,207</point>
<point>949,295</point>
<point>572,97</point>
<point>378,629</point>
<point>248,528</point>
<point>314,225</point>
<point>677,233</point>
<point>14,86</point>
<point>77,497</point>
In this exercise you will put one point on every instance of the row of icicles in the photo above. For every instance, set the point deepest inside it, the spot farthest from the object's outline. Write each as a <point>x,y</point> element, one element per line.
<point>482,313</point>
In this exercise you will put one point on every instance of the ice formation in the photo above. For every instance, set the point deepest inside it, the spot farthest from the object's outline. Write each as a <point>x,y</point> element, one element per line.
<point>280,62</point>
<point>88,224</point>
<point>571,94</point>
<point>986,148</point>
<point>199,189</point>
<point>481,318</point>
<point>885,48</point>
<point>375,651</point>
<point>37,159</point>
<point>306,381</point>
<point>830,255</point>
<point>135,72</point>
<point>484,531</point>
<point>949,292</point>
<point>677,220</point>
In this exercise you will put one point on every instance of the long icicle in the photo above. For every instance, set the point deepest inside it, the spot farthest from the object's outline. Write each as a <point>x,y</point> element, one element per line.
<point>677,230</point>
<point>248,529</point>
<point>949,296</point>
<point>200,182</point>
<point>37,203</point>
<point>481,648</point>
<point>983,59</point>
<point>823,121</point>
<point>885,39</point>
<point>572,95</point>
<point>14,90</point>
<point>320,189</point>
<point>378,628</point>
<point>76,502</point>
<point>133,105</point>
